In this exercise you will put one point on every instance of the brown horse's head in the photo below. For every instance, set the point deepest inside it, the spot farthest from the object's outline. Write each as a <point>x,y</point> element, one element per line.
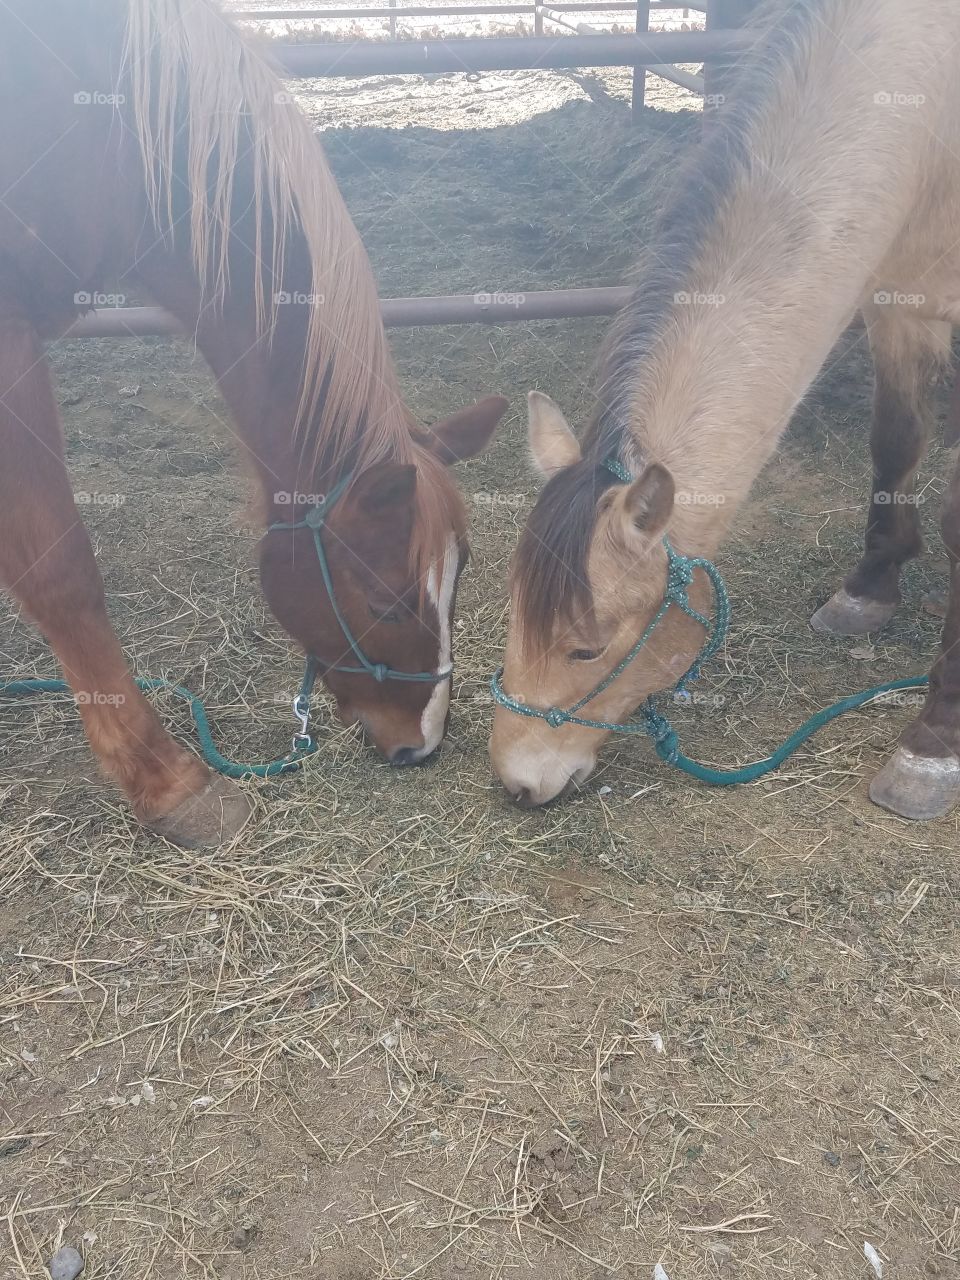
<point>588,578</point>
<point>394,544</point>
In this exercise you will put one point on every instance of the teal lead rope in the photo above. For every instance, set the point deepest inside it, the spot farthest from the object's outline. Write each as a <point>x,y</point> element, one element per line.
<point>653,722</point>
<point>303,744</point>
<point>668,747</point>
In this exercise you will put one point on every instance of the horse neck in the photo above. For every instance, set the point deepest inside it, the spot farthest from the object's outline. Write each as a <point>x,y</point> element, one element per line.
<point>779,231</point>
<point>245,237</point>
<point>297,455</point>
<point>297,441</point>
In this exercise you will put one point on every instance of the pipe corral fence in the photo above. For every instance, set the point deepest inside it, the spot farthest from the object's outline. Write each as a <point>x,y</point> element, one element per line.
<point>654,50</point>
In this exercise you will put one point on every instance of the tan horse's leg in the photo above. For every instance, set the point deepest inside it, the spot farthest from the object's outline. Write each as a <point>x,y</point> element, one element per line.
<point>47,563</point>
<point>907,354</point>
<point>922,778</point>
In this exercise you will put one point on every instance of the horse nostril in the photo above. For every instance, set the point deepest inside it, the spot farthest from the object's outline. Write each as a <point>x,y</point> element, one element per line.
<point>522,798</point>
<point>403,757</point>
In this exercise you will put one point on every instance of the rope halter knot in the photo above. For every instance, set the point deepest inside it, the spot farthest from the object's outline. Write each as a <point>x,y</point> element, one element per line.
<point>679,576</point>
<point>316,516</point>
<point>662,732</point>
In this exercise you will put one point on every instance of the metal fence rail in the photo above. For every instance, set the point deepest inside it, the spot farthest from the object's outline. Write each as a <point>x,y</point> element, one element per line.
<point>447,11</point>
<point>504,53</point>
<point>398,313</point>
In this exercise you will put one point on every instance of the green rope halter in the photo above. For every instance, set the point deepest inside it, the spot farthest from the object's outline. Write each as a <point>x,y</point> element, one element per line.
<point>314,520</point>
<point>653,722</point>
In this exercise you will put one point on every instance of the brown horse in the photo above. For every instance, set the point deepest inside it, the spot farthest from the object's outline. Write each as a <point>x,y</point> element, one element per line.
<point>147,145</point>
<point>831,183</point>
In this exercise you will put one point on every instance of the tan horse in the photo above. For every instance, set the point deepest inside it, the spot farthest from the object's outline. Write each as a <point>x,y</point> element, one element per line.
<point>830,184</point>
<point>146,145</point>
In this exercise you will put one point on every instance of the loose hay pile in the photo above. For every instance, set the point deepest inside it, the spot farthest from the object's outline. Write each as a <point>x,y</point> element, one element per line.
<point>402,1029</point>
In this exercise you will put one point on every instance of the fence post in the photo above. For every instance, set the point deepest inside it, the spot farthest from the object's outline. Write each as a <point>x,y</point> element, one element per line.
<point>640,73</point>
<point>537,20</point>
<point>393,19</point>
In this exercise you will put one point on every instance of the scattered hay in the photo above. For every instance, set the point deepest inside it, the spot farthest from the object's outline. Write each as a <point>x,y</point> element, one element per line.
<point>400,1029</point>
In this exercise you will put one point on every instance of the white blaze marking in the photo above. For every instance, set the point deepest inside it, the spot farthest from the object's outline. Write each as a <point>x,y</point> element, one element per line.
<point>440,593</point>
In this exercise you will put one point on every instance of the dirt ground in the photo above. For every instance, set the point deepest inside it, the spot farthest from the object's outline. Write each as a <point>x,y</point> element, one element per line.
<point>402,1029</point>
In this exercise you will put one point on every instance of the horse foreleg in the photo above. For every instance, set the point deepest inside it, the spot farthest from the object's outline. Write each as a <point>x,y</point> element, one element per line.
<point>922,778</point>
<point>907,354</point>
<point>47,564</point>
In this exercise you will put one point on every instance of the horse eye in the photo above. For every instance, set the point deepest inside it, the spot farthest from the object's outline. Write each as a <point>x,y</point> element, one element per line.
<point>584,655</point>
<point>391,615</point>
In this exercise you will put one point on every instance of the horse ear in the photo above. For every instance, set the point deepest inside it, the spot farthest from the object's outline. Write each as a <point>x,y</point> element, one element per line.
<point>553,445</point>
<point>647,505</point>
<point>468,432</point>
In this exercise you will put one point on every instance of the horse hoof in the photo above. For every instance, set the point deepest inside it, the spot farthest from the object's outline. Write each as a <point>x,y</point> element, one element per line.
<point>847,615</point>
<point>917,787</point>
<point>208,819</point>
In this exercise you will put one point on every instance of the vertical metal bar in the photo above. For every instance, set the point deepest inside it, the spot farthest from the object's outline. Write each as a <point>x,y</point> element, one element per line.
<point>537,20</point>
<point>640,73</point>
<point>393,19</point>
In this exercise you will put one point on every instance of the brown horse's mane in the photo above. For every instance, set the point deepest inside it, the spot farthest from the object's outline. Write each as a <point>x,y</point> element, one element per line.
<point>204,98</point>
<point>550,566</point>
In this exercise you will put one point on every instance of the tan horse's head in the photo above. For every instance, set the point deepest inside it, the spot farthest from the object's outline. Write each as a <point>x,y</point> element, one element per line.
<point>394,546</point>
<point>588,577</point>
